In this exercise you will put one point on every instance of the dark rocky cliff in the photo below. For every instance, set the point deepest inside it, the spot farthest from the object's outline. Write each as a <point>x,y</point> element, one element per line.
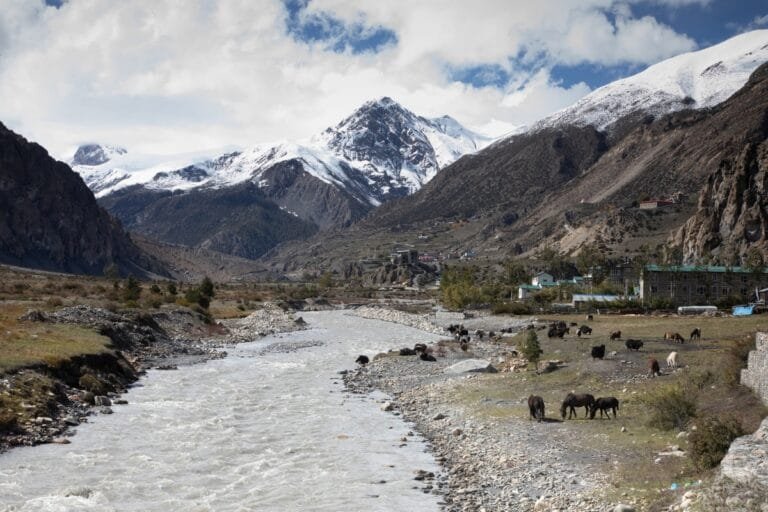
<point>50,220</point>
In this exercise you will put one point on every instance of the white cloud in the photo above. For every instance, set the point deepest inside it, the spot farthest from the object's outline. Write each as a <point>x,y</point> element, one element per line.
<point>174,76</point>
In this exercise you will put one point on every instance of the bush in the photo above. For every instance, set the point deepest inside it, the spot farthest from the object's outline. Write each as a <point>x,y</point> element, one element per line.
<point>90,382</point>
<point>530,348</point>
<point>53,302</point>
<point>510,308</point>
<point>710,441</point>
<point>132,290</point>
<point>669,407</point>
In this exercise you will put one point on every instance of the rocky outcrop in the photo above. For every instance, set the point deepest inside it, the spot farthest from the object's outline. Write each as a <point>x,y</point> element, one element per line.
<point>50,220</point>
<point>755,375</point>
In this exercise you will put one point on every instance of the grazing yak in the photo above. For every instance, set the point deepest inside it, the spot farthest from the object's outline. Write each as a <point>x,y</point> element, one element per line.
<point>590,318</point>
<point>572,401</point>
<point>598,352</point>
<point>674,336</point>
<point>407,352</point>
<point>427,357</point>
<point>536,407</point>
<point>362,360</point>
<point>606,405</point>
<point>615,335</point>
<point>695,334</point>
<point>584,329</point>
<point>672,360</point>
<point>420,347</point>
<point>653,367</point>
<point>633,344</point>
<point>464,345</point>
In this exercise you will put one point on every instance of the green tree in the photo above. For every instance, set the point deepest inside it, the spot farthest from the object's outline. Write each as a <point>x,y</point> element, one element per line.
<point>531,348</point>
<point>206,288</point>
<point>325,281</point>
<point>132,289</point>
<point>754,260</point>
<point>515,272</point>
<point>172,290</point>
<point>155,289</point>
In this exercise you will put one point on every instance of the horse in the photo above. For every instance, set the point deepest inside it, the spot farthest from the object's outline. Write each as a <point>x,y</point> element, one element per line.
<point>615,335</point>
<point>606,405</point>
<point>678,338</point>
<point>572,401</point>
<point>536,407</point>
<point>653,367</point>
<point>362,360</point>
<point>695,334</point>
<point>672,360</point>
<point>598,352</point>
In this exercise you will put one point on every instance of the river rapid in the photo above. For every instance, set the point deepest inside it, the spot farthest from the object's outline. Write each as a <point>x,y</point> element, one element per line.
<point>267,428</point>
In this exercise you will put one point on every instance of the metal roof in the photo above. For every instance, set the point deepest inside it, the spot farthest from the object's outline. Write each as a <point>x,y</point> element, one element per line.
<point>701,268</point>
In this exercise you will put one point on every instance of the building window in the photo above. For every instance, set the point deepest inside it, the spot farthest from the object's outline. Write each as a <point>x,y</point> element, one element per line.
<point>700,290</point>
<point>654,289</point>
<point>743,279</point>
<point>743,292</point>
<point>726,291</point>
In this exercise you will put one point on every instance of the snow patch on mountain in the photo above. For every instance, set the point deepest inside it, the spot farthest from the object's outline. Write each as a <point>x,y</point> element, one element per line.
<point>392,149</point>
<point>697,79</point>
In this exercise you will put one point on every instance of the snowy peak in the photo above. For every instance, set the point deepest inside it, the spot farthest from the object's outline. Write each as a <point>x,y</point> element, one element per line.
<point>384,138</point>
<point>95,154</point>
<point>698,79</point>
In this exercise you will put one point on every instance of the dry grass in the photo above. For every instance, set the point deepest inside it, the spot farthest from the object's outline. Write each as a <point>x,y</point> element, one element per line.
<point>24,344</point>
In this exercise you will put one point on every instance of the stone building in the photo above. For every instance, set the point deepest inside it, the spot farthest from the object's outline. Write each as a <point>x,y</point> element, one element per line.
<point>699,284</point>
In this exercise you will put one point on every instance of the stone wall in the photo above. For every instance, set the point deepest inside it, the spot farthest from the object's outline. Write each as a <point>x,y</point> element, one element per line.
<point>755,375</point>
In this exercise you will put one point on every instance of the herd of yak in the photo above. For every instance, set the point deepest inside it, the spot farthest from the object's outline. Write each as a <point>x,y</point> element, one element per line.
<point>558,329</point>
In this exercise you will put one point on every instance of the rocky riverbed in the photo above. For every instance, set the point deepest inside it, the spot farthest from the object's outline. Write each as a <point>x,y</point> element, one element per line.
<point>491,463</point>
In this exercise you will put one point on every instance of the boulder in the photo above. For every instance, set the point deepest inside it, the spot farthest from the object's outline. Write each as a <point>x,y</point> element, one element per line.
<point>102,401</point>
<point>471,365</point>
<point>623,508</point>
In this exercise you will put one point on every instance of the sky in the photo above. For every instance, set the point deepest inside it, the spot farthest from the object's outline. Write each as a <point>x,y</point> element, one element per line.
<point>172,76</point>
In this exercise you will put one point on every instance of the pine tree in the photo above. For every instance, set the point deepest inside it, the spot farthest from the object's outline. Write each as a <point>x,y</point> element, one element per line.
<point>531,348</point>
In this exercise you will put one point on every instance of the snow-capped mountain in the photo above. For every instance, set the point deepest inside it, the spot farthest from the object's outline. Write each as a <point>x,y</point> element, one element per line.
<point>382,150</point>
<point>697,79</point>
<point>383,139</point>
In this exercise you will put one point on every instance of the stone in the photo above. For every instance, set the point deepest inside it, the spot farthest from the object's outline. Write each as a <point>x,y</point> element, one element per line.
<point>106,410</point>
<point>623,508</point>
<point>71,421</point>
<point>471,365</point>
<point>101,401</point>
<point>87,397</point>
<point>60,440</point>
<point>387,406</point>
<point>438,416</point>
<point>457,432</point>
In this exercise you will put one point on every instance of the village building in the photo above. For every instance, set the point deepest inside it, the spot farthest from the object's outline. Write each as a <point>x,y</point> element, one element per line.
<point>699,284</point>
<point>404,257</point>
<point>544,280</point>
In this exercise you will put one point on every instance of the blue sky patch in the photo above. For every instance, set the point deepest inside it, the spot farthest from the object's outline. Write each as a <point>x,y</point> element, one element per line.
<point>338,36</point>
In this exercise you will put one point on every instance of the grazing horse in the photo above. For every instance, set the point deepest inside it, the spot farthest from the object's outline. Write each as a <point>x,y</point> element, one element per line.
<point>606,405</point>
<point>362,360</point>
<point>536,407</point>
<point>427,357</point>
<point>598,352</point>
<point>695,334</point>
<point>584,329</point>
<point>678,338</point>
<point>573,401</point>
<point>633,344</point>
<point>672,360</point>
<point>653,367</point>
<point>615,335</point>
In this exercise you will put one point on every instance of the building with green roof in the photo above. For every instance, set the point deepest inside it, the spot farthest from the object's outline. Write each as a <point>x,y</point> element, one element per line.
<point>700,284</point>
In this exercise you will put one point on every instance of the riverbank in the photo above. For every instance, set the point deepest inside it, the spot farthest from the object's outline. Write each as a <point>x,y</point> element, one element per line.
<point>496,458</point>
<point>41,401</point>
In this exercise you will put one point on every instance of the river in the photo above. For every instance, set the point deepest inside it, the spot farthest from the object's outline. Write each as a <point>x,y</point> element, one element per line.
<point>263,429</point>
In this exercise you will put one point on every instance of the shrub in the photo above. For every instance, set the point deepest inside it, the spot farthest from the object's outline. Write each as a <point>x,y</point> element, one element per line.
<point>132,290</point>
<point>90,382</point>
<point>669,407</point>
<point>155,289</point>
<point>53,302</point>
<point>530,348</point>
<point>710,441</point>
<point>510,308</point>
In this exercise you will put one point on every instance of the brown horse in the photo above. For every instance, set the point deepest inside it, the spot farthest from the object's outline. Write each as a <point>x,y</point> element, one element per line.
<point>572,401</point>
<point>536,407</point>
<point>695,334</point>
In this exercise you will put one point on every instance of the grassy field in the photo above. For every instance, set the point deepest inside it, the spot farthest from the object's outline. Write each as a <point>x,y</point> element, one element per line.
<point>629,446</point>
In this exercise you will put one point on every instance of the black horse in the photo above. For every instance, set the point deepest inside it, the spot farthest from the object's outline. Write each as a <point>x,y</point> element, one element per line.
<point>572,401</point>
<point>606,405</point>
<point>536,407</point>
<point>695,334</point>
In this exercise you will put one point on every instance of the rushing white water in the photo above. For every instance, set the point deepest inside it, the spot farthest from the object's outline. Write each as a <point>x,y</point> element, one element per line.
<point>259,430</point>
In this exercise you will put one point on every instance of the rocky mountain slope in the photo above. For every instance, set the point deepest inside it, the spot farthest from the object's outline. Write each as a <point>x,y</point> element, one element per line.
<point>245,202</point>
<point>50,220</point>
<point>570,185</point>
